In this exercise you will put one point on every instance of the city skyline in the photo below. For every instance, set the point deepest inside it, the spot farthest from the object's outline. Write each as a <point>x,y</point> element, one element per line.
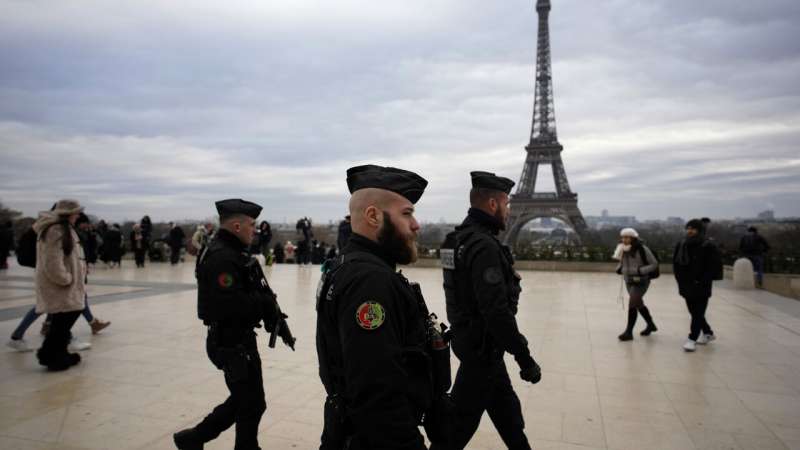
<point>663,108</point>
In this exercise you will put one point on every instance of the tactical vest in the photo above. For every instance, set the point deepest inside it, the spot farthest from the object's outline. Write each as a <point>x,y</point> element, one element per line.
<point>432,357</point>
<point>462,306</point>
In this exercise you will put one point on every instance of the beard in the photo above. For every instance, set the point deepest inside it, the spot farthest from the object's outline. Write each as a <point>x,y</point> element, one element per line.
<point>500,218</point>
<point>400,248</point>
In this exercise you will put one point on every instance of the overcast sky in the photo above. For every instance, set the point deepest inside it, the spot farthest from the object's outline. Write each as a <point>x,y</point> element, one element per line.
<point>664,107</point>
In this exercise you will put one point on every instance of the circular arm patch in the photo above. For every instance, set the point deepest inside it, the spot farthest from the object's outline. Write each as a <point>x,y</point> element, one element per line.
<point>225,280</point>
<point>370,315</point>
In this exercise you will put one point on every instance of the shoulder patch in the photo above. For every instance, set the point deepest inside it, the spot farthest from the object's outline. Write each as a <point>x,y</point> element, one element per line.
<point>225,280</point>
<point>370,315</point>
<point>493,275</point>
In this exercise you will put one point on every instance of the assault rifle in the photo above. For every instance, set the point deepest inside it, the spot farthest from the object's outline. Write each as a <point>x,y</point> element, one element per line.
<point>274,319</point>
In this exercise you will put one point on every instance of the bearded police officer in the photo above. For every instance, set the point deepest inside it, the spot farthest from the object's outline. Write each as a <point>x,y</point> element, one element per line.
<point>377,344</point>
<point>231,300</point>
<point>482,295</point>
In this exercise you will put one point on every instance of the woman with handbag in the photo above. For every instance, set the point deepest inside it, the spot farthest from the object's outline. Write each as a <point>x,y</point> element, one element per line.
<point>638,266</point>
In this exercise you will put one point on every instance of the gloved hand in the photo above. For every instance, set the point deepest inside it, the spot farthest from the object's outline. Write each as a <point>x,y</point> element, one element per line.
<point>529,370</point>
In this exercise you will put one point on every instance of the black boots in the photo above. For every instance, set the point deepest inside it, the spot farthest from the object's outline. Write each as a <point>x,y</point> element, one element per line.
<point>649,319</point>
<point>628,334</point>
<point>186,440</point>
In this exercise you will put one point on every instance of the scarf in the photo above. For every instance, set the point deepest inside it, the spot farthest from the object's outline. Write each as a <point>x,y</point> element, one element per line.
<point>682,257</point>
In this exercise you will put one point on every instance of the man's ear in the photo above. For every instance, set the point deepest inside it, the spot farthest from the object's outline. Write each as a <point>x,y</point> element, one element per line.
<point>493,204</point>
<point>373,216</point>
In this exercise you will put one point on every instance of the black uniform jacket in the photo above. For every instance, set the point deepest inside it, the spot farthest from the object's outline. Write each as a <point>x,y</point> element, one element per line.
<point>485,317</point>
<point>369,336</point>
<point>224,294</point>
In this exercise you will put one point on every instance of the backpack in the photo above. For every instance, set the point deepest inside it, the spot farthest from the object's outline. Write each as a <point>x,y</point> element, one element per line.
<point>715,261</point>
<point>656,273</point>
<point>26,248</point>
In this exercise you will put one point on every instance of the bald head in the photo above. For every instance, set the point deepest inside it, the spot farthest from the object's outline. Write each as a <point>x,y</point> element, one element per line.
<point>367,207</point>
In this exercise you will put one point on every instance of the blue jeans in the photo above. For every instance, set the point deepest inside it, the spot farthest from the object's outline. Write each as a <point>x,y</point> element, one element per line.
<point>32,315</point>
<point>758,267</point>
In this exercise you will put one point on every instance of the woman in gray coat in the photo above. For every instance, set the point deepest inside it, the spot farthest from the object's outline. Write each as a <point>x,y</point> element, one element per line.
<point>637,265</point>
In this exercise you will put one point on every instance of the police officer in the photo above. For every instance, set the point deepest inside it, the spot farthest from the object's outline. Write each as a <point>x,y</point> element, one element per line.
<point>230,303</point>
<point>482,295</point>
<point>371,322</point>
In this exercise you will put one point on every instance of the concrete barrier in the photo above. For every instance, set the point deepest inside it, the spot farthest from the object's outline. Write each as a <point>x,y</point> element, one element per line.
<point>743,274</point>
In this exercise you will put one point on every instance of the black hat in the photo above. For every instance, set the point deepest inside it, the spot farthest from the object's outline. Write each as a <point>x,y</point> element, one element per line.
<point>408,184</point>
<point>234,206</point>
<point>488,180</point>
<point>697,224</point>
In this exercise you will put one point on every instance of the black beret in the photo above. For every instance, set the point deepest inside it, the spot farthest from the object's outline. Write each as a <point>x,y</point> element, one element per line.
<point>233,206</point>
<point>408,184</point>
<point>488,180</point>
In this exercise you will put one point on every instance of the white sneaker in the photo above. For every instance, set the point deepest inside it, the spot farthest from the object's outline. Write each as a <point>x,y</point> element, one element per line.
<point>705,338</point>
<point>19,345</point>
<point>690,345</point>
<point>78,346</point>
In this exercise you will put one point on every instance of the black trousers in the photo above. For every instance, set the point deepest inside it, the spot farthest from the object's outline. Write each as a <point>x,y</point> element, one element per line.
<point>485,386</point>
<point>697,306</point>
<point>174,255</point>
<point>139,257</point>
<point>245,405</point>
<point>54,348</point>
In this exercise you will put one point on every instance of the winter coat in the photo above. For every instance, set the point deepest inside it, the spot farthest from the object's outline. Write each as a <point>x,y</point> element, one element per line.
<point>60,278</point>
<point>695,275</point>
<point>113,245</point>
<point>176,237</point>
<point>631,265</point>
<point>199,238</point>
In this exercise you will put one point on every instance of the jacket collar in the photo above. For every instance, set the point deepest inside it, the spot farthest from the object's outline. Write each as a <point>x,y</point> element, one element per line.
<point>230,239</point>
<point>359,243</point>
<point>482,219</point>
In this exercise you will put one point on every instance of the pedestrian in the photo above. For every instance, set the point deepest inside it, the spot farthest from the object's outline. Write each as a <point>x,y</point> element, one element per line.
<point>230,303</point>
<point>693,265</point>
<point>344,232</point>
<point>88,236</point>
<point>138,245</point>
<point>753,246</point>
<point>371,323</point>
<point>102,230</point>
<point>289,252</point>
<point>6,243</point>
<point>280,256</point>
<point>60,281</point>
<point>637,265</point>
<point>264,238</point>
<point>175,241</point>
<point>482,292</point>
<point>199,240</point>
<point>113,246</point>
<point>147,232</point>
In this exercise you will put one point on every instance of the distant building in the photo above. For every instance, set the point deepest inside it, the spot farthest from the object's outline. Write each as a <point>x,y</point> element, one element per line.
<point>676,221</point>
<point>767,216</point>
<point>605,220</point>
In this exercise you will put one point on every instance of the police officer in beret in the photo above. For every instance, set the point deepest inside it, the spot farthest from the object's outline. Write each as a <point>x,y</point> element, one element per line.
<point>482,295</point>
<point>230,305</point>
<point>371,322</point>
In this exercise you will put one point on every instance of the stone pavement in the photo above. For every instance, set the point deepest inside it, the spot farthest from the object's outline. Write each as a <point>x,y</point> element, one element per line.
<point>147,375</point>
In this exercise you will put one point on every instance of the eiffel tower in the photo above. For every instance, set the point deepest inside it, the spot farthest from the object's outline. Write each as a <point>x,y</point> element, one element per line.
<point>526,203</point>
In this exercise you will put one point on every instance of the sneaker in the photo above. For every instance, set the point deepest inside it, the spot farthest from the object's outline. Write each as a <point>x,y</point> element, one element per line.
<point>705,338</point>
<point>98,325</point>
<point>19,345</point>
<point>78,346</point>
<point>690,345</point>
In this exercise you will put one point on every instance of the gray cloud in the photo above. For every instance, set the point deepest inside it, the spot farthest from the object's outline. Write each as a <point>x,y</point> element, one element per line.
<point>663,107</point>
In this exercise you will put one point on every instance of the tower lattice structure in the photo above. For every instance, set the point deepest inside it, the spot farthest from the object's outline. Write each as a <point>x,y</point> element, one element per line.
<point>526,203</point>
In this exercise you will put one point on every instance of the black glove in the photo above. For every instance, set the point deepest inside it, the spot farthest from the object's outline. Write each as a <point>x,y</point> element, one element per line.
<point>529,370</point>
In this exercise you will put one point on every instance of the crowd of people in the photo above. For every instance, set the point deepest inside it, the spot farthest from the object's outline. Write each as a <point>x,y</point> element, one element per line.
<point>384,357</point>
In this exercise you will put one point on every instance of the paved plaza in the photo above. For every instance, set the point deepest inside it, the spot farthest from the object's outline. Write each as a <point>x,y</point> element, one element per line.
<point>147,375</point>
